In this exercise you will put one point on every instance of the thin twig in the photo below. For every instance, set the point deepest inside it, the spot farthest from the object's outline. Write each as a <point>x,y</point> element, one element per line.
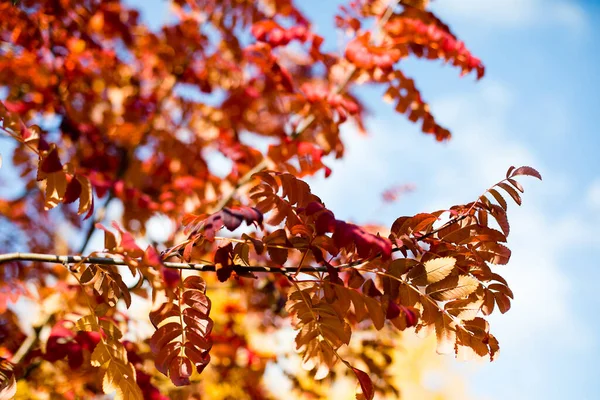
<point>73,259</point>
<point>70,259</point>
<point>100,214</point>
<point>30,342</point>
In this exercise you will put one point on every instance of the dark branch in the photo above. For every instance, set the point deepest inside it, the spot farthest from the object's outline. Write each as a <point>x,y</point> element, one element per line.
<point>66,260</point>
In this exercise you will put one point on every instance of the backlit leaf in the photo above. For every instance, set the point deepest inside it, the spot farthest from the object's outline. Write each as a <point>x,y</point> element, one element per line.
<point>366,385</point>
<point>453,287</point>
<point>526,171</point>
<point>433,271</point>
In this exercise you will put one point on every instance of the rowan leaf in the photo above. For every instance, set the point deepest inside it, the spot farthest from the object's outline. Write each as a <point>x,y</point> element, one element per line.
<point>118,375</point>
<point>453,287</point>
<point>311,314</point>
<point>526,171</point>
<point>439,268</point>
<point>432,271</point>
<point>86,196</point>
<point>190,330</point>
<point>56,186</point>
<point>512,192</point>
<point>365,382</point>
<point>499,198</point>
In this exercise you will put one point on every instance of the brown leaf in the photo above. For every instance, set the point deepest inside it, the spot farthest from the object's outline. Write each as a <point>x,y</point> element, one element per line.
<point>190,330</point>
<point>453,287</point>
<point>499,198</point>
<point>511,191</point>
<point>376,313</point>
<point>502,301</point>
<point>526,171</point>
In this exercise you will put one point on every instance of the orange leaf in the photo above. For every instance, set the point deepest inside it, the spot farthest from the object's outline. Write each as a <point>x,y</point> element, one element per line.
<point>56,186</point>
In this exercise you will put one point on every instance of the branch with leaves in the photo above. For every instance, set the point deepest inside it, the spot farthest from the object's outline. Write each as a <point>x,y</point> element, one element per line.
<point>103,107</point>
<point>445,284</point>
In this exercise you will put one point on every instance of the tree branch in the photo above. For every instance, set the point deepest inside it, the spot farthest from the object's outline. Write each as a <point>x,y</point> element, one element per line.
<point>307,123</point>
<point>70,259</point>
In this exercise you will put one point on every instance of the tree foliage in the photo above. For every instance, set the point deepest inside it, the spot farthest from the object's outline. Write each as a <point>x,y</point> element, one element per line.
<point>105,110</point>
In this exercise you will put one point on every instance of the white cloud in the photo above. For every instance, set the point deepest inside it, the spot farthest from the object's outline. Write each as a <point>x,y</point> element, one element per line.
<point>482,148</point>
<point>515,13</point>
<point>593,195</point>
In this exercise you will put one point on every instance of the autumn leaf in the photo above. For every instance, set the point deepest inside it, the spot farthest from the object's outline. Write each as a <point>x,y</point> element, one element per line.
<point>526,171</point>
<point>86,197</point>
<point>453,287</point>
<point>179,344</point>
<point>8,383</point>
<point>366,385</point>
<point>433,271</point>
<point>56,186</point>
<point>118,374</point>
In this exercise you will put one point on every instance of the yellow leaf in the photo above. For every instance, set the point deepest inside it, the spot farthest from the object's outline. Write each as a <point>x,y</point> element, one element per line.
<point>438,269</point>
<point>106,351</point>
<point>89,323</point>
<point>466,309</point>
<point>118,373</point>
<point>453,287</point>
<point>86,196</point>
<point>56,185</point>
<point>120,377</point>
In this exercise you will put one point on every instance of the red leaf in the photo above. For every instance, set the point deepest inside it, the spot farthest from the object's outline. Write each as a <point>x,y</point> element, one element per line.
<point>51,163</point>
<point>180,370</point>
<point>166,354</point>
<point>222,262</point>
<point>17,107</point>
<point>73,191</point>
<point>149,391</point>
<point>152,258</point>
<point>527,171</point>
<point>410,316</point>
<point>231,218</point>
<point>200,359</point>
<point>127,241</point>
<point>87,340</point>
<point>393,310</point>
<point>365,383</point>
<point>164,335</point>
